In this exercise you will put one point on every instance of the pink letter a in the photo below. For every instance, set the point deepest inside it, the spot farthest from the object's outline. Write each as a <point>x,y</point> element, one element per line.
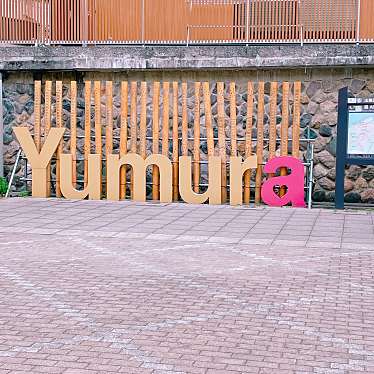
<point>294,183</point>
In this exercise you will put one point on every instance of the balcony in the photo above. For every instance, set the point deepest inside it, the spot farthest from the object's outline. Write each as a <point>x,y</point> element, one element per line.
<point>185,22</point>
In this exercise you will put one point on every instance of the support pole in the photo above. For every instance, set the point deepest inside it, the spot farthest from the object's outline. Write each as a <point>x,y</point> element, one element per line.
<point>1,128</point>
<point>341,147</point>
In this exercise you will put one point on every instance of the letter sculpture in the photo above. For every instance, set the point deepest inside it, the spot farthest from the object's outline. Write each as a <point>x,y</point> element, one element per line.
<point>294,183</point>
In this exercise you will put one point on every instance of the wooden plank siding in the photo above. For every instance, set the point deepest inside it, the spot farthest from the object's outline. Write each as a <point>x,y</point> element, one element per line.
<point>184,21</point>
<point>366,20</point>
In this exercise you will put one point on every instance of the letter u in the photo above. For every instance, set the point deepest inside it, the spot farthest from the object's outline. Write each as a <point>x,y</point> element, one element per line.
<point>185,182</point>
<point>93,187</point>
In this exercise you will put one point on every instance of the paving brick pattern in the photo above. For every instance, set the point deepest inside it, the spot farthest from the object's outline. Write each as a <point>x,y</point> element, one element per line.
<point>100,287</point>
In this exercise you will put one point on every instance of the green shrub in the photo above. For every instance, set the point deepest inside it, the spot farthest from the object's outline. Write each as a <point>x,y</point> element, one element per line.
<point>24,193</point>
<point>3,186</point>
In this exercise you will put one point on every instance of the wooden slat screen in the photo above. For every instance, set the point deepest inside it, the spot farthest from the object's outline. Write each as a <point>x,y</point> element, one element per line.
<point>202,132</point>
<point>184,21</point>
<point>366,20</point>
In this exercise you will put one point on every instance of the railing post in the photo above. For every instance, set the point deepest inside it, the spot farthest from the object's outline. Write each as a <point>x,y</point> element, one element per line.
<point>247,23</point>
<point>85,22</point>
<point>358,30</point>
<point>301,24</point>
<point>143,21</point>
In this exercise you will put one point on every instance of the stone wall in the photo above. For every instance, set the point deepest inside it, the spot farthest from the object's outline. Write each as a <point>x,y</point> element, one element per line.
<point>319,111</point>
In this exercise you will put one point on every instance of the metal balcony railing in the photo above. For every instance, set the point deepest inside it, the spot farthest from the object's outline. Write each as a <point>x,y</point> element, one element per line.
<point>185,21</point>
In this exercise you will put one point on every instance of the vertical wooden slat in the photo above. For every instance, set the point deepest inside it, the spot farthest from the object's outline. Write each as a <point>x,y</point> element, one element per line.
<point>208,119</point>
<point>184,120</point>
<point>87,128</point>
<point>234,148</point>
<point>123,136</point>
<point>156,138</point>
<point>47,119</point>
<point>285,119</point>
<point>109,118</point>
<point>260,140</point>
<point>175,142</point>
<point>143,120</point>
<point>248,142</point>
<point>15,21</point>
<point>273,119</point>
<point>296,120</point>
<point>287,20</point>
<point>37,114</point>
<point>58,124</point>
<point>196,149</point>
<point>165,118</point>
<point>73,128</point>
<point>98,127</point>
<point>221,137</point>
<point>133,126</point>
<point>284,128</point>
<point>2,21</point>
<point>98,132</point>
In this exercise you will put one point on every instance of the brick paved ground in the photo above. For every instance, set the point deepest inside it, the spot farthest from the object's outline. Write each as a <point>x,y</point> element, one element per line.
<point>99,287</point>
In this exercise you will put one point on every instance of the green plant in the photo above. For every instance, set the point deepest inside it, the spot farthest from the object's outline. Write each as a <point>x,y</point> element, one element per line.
<point>24,193</point>
<point>3,186</point>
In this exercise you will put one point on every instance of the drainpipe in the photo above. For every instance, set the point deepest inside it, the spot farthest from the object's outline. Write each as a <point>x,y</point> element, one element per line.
<point>1,128</point>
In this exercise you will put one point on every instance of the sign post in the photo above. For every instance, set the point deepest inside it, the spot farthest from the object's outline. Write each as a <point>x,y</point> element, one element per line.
<point>1,129</point>
<point>355,138</point>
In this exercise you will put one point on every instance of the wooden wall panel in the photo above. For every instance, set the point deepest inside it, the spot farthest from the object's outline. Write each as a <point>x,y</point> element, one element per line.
<point>133,125</point>
<point>284,127</point>
<point>214,21</point>
<point>48,124</point>
<point>73,128</point>
<point>37,106</point>
<point>248,142</point>
<point>143,120</point>
<point>196,147</point>
<point>109,118</point>
<point>175,155</point>
<point>165,118</point>
<point>233,124</point>
<point>58,124</point>
<point>108,21</point>
<point>166,20</point>
<point>366,16</point>
<point>296,121</point>
<point>260,140</point>
<point>222,137</point>
<point>123,136</point>
<point>273,120</point>
<point>208,118</point>
<point>156,138</point>
<point>87,128</point>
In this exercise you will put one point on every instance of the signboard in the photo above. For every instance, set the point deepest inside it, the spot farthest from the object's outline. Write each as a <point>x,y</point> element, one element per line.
<point>355,138</point>
<point>360,134</point>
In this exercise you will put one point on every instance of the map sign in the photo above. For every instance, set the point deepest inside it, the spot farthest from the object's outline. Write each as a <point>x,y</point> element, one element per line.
<point>361,134</point>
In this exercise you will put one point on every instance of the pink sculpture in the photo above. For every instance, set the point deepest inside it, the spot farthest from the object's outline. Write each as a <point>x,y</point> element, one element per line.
<point>294,183</point>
